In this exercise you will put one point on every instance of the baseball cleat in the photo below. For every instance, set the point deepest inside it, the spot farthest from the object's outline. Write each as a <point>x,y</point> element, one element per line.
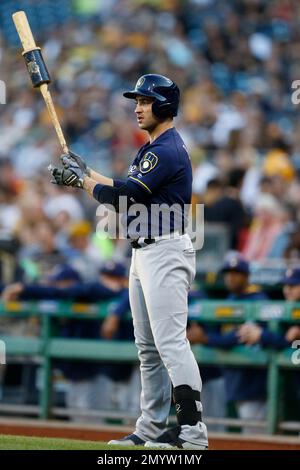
<point>171,440</point>
<point>178,445</point>
<point>131,440</point>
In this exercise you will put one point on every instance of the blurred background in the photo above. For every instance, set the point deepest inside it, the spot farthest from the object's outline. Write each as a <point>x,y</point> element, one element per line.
<point>234,62</point>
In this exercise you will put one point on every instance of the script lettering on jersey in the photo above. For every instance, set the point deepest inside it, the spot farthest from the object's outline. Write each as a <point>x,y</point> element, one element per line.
<point>132,169</point>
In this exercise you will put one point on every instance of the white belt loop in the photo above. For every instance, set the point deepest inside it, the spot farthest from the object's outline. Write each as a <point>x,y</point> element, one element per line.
<point>168,236</point>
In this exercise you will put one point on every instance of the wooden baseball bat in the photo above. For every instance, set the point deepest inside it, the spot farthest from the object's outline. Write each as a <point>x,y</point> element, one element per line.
<point>28,43</point>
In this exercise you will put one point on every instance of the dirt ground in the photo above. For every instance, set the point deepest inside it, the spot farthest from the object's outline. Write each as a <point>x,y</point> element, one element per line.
<point>26,427</point>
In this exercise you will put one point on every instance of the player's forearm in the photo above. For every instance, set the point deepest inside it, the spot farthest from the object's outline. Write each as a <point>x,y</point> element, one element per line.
<point>120,196</point>
<point>89,184</point>
<point>98,178</point>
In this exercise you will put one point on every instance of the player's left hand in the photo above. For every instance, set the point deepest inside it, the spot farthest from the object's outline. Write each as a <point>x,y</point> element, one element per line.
<point>67,177</point>
<point>71,161</point>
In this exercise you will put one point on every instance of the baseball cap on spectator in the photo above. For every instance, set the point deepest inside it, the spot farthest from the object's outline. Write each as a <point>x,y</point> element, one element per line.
<point>237,264</point>
<point>64,272</point>
<point>277,162</point>
<point>79,229</point>
<point>292,277</point>
<point>113,268</point>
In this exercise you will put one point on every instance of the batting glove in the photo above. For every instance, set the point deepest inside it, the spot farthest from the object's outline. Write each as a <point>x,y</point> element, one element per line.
<point>71,161</point>
<point>66,177</point>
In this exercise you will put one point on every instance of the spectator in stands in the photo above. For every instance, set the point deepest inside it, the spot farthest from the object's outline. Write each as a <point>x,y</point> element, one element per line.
<point>226,207</point>
<point>63,284</point>
<point>254,334</point>
<point>96,386</point>
<point>245,387</point>
<point>277,163</point>
<point>266,226</point>
<point>250,333</point>
<point>213,387</point>
<point>292,251</point>
<point>81,253</point>
<point>36,234</point>
<point>83,393</point>
<point>10,187</point>
<point>282,243</point>
<point>121,383</point>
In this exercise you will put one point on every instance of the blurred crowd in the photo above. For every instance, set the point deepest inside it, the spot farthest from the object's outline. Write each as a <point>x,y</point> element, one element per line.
<point>234,62</point>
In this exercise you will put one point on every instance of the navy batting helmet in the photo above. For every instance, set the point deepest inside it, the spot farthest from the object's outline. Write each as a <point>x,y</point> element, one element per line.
<point>165,92</point>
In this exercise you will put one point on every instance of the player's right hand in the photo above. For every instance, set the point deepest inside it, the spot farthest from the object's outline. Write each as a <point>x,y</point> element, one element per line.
<point>70,160</point>
<point>66,176</point>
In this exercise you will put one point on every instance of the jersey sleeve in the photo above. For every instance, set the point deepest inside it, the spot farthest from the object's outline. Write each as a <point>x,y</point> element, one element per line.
<point>118,183</point>
<point>155,168</point>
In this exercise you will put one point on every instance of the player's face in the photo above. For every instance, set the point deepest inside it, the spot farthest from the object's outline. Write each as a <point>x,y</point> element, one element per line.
<point>143,110</point>
<point>292,293</point>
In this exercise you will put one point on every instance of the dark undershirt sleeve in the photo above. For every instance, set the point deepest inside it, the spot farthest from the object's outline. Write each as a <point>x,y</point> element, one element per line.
<point>111,195</point>
<point>118,183</point>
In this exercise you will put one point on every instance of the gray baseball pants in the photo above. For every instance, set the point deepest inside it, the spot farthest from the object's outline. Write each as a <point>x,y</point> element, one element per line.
<point>159,281</point>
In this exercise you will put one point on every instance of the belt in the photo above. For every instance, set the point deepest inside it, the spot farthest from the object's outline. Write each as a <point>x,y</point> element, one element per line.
<point>142,242</point>
<point>147,241</point>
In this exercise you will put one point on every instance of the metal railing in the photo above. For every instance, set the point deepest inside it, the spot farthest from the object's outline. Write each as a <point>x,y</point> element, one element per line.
<point>46,347</point>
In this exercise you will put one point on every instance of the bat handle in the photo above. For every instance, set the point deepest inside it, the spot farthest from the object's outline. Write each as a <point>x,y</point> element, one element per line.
<point>49,103</point>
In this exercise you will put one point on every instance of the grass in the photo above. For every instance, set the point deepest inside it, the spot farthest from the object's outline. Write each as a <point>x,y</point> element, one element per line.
<point>8,442</point>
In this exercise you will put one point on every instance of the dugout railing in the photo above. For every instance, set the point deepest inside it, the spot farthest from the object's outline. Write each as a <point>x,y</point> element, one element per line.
<point>47,347</point>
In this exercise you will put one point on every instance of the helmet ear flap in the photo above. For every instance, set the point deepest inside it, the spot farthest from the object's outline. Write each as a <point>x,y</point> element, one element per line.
<point>169,107</point>
<point>163,110</point>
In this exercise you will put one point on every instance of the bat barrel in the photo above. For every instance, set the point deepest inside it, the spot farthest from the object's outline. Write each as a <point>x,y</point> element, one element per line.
<point>24,31</point>
<point>37,69</point>
<point>32,54</point>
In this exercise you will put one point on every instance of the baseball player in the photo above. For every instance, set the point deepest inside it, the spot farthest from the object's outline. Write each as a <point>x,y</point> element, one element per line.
<point>162,267</point>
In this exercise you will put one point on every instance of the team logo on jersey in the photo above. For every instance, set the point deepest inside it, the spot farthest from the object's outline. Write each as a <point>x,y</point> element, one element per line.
<point>148,162</point>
